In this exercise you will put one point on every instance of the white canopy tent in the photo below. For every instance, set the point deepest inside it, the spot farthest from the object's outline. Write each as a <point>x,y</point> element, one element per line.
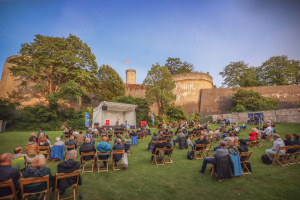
<point>125,112</point>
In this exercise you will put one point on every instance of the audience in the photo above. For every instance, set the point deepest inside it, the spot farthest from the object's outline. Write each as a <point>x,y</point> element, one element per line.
<point>118,146</point>
<point>276,144</point>
<point>37,169</point>
<point>267,131</point>
<point>7,172</point>
<point>70,165</point>
<point>104,147</point>
<point>180,135</point>
<point>160,144</point>
<point>252,135</point>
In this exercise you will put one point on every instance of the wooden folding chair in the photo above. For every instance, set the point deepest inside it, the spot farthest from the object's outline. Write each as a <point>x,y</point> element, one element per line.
<point>128,149</point>
<point>258,141</point>
<point>80,141</point>
<point>279,159</point>
<point>99,161</point>
<point>70,147</point>
<point>296,153</point>
<point>31,151</point>
<point>45,150</point>
<point>155,155</point>
<point>269,137</point>
<point>169,156</point>
<point>60,176</point>
<point>113,161</point>
<point>212,170</point>
<point>200,148</point>
<point>6,184</point>
<point>92,153</point>
<point>65,136</point>
<point>206,151</point>
<point>289,156</point>
<point>245,162</point>
<point>252,143</point>
<point>28,181</point>
<point>152,143</point>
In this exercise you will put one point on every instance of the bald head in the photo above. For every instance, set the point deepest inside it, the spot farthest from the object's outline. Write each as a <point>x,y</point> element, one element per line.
<point>104,139</point>
<point>5,159</point>
<point>87,140</point>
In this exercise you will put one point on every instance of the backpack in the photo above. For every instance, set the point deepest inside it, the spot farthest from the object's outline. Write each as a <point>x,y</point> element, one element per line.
<point>161,156</point>
<point>182,143</point>
<point>265,159</point>
<point>190,155</point>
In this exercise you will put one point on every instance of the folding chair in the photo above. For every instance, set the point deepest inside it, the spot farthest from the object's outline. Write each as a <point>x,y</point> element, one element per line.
<point>296,153</point>
<point>65,136</point>
<point>212,170</point>
<point>114,165</point>
<point>279,159</point>
<point>70,147</point>
<point>207,150</point>
<point>92,160</point>
<point>252,143</point>
<point>45,150</point>
<point>99,161</point>
<point>269,137</point>
<point>10,184</point>
<point>289,156</point>
<point>200,148</point>
<point>19,163</point>
<point>80,141</point>
<point>258,141</point>
<point>152,143</point>
<point>128,149</point>
<point>31,151</point>
<point>245,162</point>
<point>155,155</point>
<point>60,176</point>
<point>28,181</point>
<point>169,155</point>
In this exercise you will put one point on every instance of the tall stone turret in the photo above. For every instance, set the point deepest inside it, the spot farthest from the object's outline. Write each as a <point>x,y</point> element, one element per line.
<point>130,76</point>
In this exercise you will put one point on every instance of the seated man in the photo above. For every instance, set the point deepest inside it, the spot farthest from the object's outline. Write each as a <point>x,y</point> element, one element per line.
<point>18,154</point>
<point>7,172</point>
<point>87,147</point>
<point>201,140</point>
<point>180,135</point>
<point>104,147</point>
<point>139,133</point>
<point>71,142</point>
<point>90,135</point>
<point>219,153</point>
<point>70,165</point>
<point>110,134</point>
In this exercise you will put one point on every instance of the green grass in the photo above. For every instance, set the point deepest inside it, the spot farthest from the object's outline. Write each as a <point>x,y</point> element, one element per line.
<point>180,180</point>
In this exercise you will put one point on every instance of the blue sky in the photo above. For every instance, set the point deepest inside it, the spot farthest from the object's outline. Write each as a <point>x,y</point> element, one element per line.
<point>207,33</point>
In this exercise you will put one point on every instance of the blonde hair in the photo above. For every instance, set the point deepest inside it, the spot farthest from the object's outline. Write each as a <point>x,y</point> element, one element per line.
<point>39,161</point>
<point>32,134</point>
<point>254,130</point>
<point>230,143</point>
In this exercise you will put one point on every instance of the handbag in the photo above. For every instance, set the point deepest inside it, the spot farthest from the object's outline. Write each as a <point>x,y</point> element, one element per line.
<point>124,162</point>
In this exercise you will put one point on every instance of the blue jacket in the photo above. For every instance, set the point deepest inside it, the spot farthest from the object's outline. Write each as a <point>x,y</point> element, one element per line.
<point>103,147</point>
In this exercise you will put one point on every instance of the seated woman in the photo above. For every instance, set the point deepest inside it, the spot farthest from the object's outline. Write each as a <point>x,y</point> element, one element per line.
<point>118,146</point>
<point>38,169</point>
<point>276,144</point>
<point>232,149</point>
<point>288,142</point>
<point>43,141</point>
<point>252,135</point>
<point>235,157</point>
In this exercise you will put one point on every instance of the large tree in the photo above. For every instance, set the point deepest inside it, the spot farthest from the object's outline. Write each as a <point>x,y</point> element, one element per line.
<point>278,70</point>
<point>175,66</point>
<point>57,68</point>
<point>111,83</point>
<point>160,87</point>
<point>238,74</point>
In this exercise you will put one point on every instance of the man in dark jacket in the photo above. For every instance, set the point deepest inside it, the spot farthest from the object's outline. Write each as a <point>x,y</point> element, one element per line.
<point>71,142</point>
<point>160,144</point>
<point>66,167</point>
<point>218,153</point>
<point>87,147</point>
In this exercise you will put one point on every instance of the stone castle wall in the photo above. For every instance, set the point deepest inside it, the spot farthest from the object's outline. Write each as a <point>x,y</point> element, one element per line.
<point>218,100</point>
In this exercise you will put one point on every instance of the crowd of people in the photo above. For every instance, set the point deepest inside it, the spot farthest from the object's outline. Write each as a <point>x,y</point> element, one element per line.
<point>229,148</point>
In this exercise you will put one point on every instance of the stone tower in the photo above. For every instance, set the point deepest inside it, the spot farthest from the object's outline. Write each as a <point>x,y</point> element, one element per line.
<point>130,76</point>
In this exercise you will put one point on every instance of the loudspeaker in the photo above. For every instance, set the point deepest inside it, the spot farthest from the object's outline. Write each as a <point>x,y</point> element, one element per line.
<point>137,110</point>
<point>104,107</point>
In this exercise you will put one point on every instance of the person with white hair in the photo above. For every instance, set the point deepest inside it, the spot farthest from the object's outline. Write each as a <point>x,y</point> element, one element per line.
<point>58,142</point>
<point>267,131</point>
<point>70,165</point>
<point>37,169</point>
<point>278,142</point>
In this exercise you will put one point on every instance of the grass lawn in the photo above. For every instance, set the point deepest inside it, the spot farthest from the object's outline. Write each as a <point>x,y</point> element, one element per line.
<point>180,180</point>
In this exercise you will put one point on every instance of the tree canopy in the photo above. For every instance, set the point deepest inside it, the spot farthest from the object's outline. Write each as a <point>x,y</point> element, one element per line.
<point>249,100</point>
<point>160,87</point>
<point>277,70</point>
<point>175,66</point>
<point>111,83</point>
<point>57,68</point>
